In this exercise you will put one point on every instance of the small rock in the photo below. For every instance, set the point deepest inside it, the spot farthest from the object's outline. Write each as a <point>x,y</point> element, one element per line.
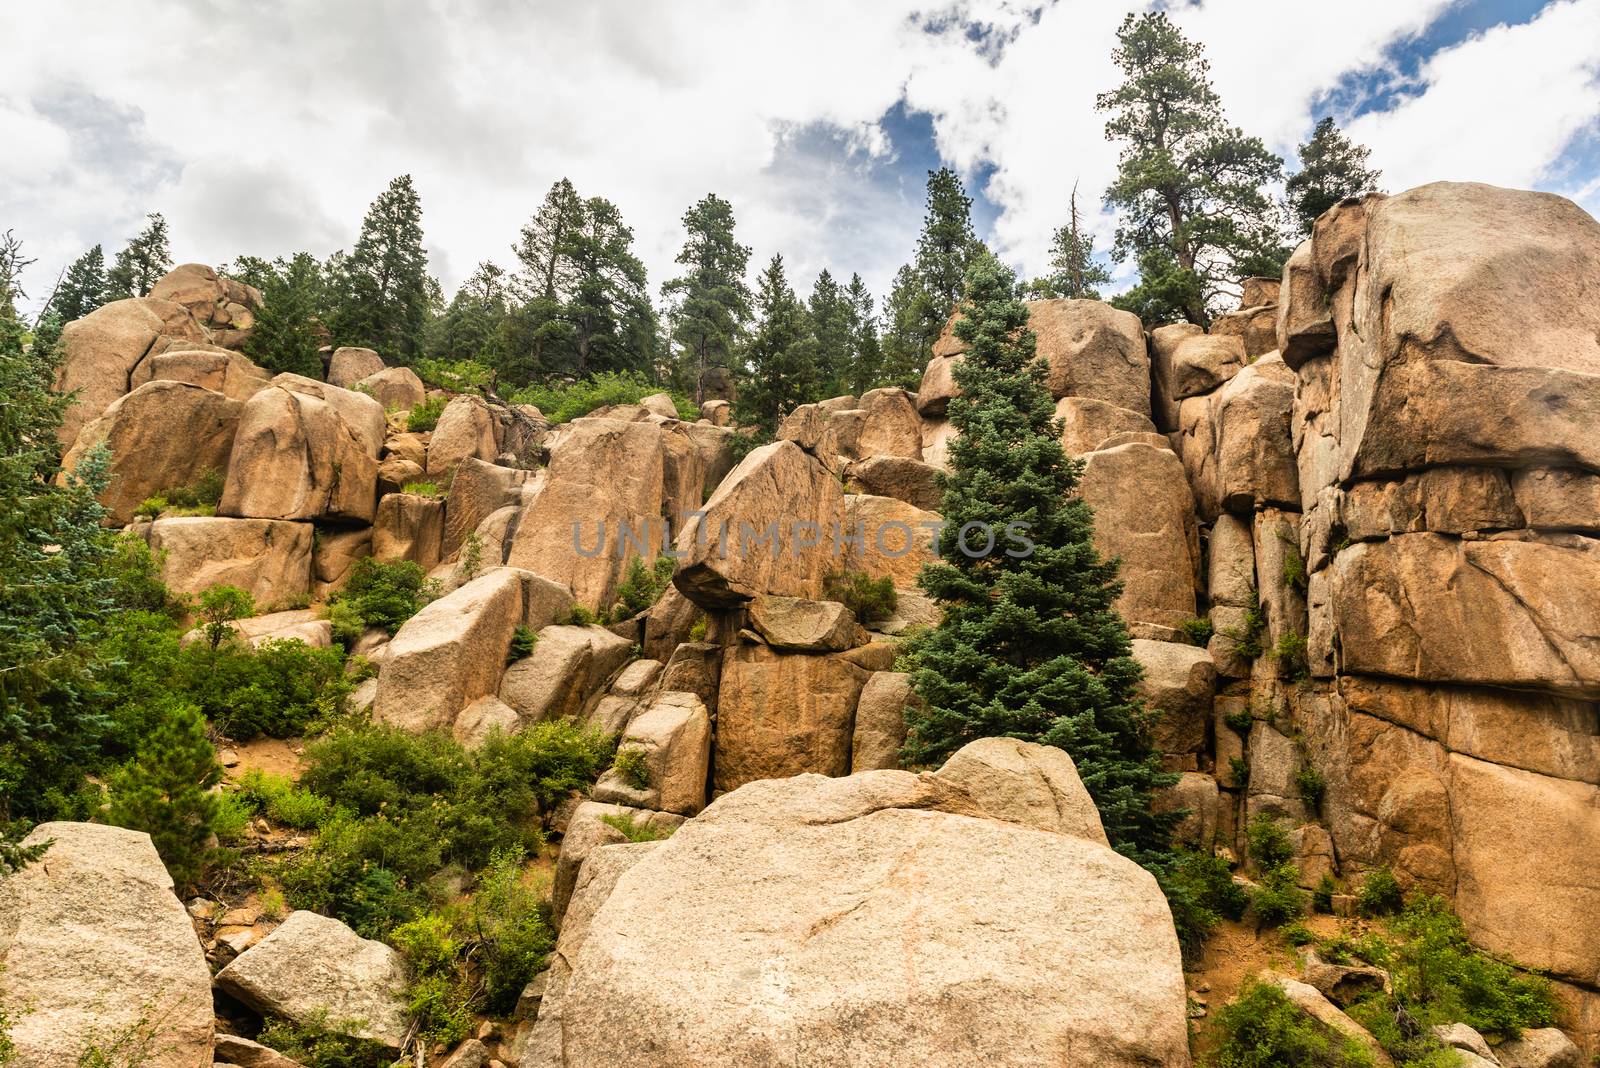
<point>228,758</point>
<point>1544,1047</point>
<point>470,1054</point>
<point>532,994</point>
<point>240,917</point>
<point>201,909</point>
<point>1460,1036</point>
<point>237,941</point>
<point>1341,984</point>
<point>231,1049</point>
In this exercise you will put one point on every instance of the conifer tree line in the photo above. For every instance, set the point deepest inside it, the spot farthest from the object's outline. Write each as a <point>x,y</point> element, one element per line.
<point>1199,206</point>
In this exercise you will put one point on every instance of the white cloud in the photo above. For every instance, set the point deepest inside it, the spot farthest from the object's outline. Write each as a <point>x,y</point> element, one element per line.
<point>268,128</point>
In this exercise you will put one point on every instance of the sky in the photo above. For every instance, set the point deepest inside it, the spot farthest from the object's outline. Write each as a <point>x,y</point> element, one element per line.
<point>265,129</point>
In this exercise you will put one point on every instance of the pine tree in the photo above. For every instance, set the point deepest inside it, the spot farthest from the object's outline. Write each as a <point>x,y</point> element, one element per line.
<point>1030,646</point>
<point>288,330</point>
<point>1073,272</point>
<point>830,314</point>
<point>710,303</point>
<point>1332,167</point>
<point>927,289</point>
<point>381,291</point>
<point>166,791</point>
<point>12,264</point>
<point>866,356</point>
<point>83,288</point>
<point>546,280</point>
<point>472,326</point>
<point>1191,189</point>
<point>140,266</point>
<point>613,323</point>
<point>780,359</point>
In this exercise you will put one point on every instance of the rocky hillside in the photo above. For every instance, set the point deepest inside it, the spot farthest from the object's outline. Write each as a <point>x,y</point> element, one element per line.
<point>1358,523</point>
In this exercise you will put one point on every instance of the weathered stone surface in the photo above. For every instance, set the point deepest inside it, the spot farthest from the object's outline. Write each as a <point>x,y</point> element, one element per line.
<point>782,714</point>
<point>1164,342</point>
<point>1230,644</point>
<point>660,404</point>
<point>477,490</point>
<point>1196,795</point>
<point>396,388</point>
<point>674,734</point>
<point>162,435</point>
<point>587,833</point>
<point>695,667</point>
<point>409,526</point>
<point>231,1049</point>
<point>1092,350</point>
<point>567,666</point>
<point>1179,682</point>
<point>466,428</point>
<point>1305,321</point>
<point>270,560</point>
<point>938,386</point>
<point>1026,783</point>
<point>1494,612</point>
<point>224,305</point>
<point>1231,563</point>
<point>482,718</point>
<point>1280,580</point>
<point>228,373</point>
<point>1086,423</point>
<point>451,653</point>
<point>1448,500</point>
<point>1310,1001</point>
<point>101,351</point>
<point>1255,327</point>
<point>880,724</point>
<point>899,477</point>
<point>795,624</point>
<point>92,939</point>
<point>333,554</point>
<point>895,539</point>
<point>1461,1037</point>
<point>1202,362</point>
<point>891,426</point>
<point>605,486</point>
<point>819,875</point>
<point>1255,459</point>
<point>1144,514</point>
<point>1540,1047</point>
<point>305,450</point>
<point>717,412</point>
<point>830,433</point>
<point>778,487</point>
<point>1554,498</point>
<point>312,967</point>
<point>349,365</point>
<point>1275,764</point>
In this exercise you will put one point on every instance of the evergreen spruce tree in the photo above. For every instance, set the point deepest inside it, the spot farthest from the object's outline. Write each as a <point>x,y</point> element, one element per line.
<point>780,358</point>
<point>288,331</point>
<point>547,278</point>
<point>1191,189</point>
<point>1030,646</point>
<point>140,266</point>
<point>710,303</point>
<point>866,354</point>
<point>926,290</point>
<point>472,325</point>
<point>1332,167</point>
<point>612,320</point>
<point>165,791</point>
<point>1073,272</point>
<point>830,315</point>
<point>83,288</point>
<point>382,292</point>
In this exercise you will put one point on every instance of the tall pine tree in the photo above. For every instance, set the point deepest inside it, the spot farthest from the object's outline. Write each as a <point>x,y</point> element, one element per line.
<point>613,323</point>
<point>382,289</point>
<point>1074,274</point>
<point>1192,190</point>
<point>866,356</point>
<point>927,289</point>
<point>830,315</point>
<point>1030,646</point>
<point>140,266</point>
<point>709,302</point>
<point>472,326</point>
<point>288,330</point>
<point>1332,167</point>
<point>546,279</point>
<point>83,288</point>
<point>780,359</point>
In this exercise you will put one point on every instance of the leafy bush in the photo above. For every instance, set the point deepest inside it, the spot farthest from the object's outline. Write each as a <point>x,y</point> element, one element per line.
<point>458,376</point>
<point>280,800</point>
<point>632,830</point>
<point>279,689</point>
<point>383,594</point>
<point>1279,899</point>
<point>1380,893</point>
<point>425,416</point>
<point>232,817</point>
<point>315,1044</point>
<point>523,640</point>
<point>1240,721</point>
<point>440,990</point>
<point>166,791</point>
<point>421,489</point>
<point>1262,1028</point>
<point>1312,786</point>
<point>580,616</point>
<point>697,633</point>
<point>199,497</point>
<point>869,598</point>
<point>643,586</point>
<point>1297,934</point>
<point>1239,771</point>
<point>1290,652</point>
<point>1322,896</point>
<point>634,768</point>
<point>562,403</point>
<point>1198,631</point>
<point>1269,843</point>
<point>1200,891</point>
<point>218,607</point>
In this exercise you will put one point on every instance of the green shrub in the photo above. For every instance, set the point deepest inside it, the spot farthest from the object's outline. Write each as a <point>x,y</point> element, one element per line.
<point>632,830</point>
<point>1198,631</point>
<point>634,768</point>
<point>1247,639</point>
<point>315,1044</point>
<point>458,376</point>
<point>165,791</point>
<point>580,616</point>
<point>205,492</point>
<point>151,508</point>
<point>1240,721</point>
<point>523,640</point>
<point>1279,899</point>
<point>425,416</point>
<point>231,819</point>
<point>697,633</point>
<point>345,619</point>
<point>280,689</point>
<point>1269,842</point>
<point>1312,786</point>
<point>563,402</point>
<point>1290,652</point>
<point>440,992</point>
<point>1262,1028</point>
<point>471,559</point>
<point>384,594</point>
<point>1200,891</point>
<point>508,918</point>
<point>1297,934</point>
<point>1322,896</point>
<point>421,489</point>
<point>643,585</point>
<point>869,598</point>
<point>1239,771</point>
<point>1380,893</point>
<point>218,607</point>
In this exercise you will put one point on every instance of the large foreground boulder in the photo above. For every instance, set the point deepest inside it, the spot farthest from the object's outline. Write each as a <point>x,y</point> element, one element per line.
<point>269,559</point>
<point>312,968</point>
<point>94,945</point>
<point>818,921</point>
